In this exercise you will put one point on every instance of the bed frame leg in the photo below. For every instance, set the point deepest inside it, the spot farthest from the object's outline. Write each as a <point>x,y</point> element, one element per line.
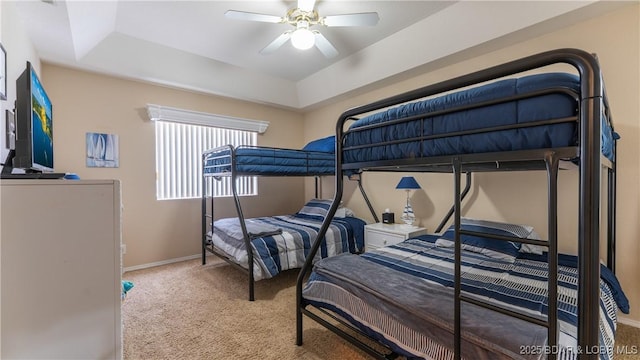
<point>251,291</point>
<point>298,326</point>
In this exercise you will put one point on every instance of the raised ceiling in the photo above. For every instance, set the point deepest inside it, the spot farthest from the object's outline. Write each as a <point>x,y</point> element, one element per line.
<point>192,45</point>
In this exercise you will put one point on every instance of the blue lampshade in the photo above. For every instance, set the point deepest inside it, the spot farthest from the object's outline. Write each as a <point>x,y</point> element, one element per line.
<point>408,183</point>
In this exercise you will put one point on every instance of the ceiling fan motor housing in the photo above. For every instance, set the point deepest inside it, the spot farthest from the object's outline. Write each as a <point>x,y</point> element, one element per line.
<point>294,16</point>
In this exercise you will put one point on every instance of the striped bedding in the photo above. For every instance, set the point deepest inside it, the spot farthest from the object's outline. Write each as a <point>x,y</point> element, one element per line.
<point>287,248</point>
<point>402,296</point>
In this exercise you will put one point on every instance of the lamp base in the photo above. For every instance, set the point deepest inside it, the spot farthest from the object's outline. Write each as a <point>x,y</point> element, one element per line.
<point>407,215</point>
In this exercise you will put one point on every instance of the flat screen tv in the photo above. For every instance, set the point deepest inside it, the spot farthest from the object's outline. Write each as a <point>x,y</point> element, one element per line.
<point>33,124</point>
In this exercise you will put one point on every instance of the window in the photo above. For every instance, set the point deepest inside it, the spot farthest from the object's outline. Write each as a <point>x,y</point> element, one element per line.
<point>180,142</point>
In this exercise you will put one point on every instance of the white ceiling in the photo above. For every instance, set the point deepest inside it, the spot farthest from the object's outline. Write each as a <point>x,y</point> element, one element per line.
<point>191,45</point>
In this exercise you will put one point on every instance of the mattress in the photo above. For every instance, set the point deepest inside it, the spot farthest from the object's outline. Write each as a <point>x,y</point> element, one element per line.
<point>283,242</point>
<point>270,161</point>
<point>402,296</point>
<point>399,132</point>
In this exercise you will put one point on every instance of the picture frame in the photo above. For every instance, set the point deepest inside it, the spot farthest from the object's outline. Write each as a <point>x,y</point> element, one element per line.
<point>102,150</point>
<point>3,73</point>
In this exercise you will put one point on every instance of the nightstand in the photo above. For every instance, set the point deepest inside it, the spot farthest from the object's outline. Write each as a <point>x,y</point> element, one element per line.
<point>379,234</point>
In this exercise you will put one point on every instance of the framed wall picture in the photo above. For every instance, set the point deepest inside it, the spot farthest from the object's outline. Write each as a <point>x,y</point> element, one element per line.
<point>3,73</point>
<point>102,150</point>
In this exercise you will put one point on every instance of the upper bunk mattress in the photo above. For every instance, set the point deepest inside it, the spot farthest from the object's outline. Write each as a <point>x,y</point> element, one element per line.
<point>271,161</point>
<point>552,96</point>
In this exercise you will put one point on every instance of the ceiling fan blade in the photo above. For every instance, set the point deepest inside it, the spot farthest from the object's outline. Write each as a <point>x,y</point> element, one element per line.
<point>306,5</point>
<point>361,19</point>
<point>325,46</point>
<point>243,15</point>
<point>275,44</point>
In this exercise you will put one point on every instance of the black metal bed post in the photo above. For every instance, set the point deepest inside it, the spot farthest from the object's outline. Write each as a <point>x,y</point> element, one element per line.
<point>243,226</point>
<point>457,259</point>
<point>589,209</point>
<point>366,199</point>
<point>204,212</point>
<point>552,163</point>
<point>611,211</point>
<point>446,218</point>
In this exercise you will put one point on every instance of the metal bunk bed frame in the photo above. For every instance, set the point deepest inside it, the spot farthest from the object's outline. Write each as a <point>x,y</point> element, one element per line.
<point>593,103</point>
<point>208,210</point>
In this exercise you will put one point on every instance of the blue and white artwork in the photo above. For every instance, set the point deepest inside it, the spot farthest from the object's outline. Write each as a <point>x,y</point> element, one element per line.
<point>102,150</point>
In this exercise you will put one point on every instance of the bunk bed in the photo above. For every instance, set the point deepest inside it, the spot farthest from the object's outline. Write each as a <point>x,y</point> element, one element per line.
<point>447,296</point>
<point>276,243</point>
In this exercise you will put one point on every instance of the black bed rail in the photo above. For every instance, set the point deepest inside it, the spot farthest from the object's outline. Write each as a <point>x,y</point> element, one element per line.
<point>591,104</point>
<point>457,109</point>
<point>217,161</point>
<point>419,137</point>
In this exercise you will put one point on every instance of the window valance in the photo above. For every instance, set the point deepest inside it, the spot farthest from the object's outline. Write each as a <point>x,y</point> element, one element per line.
<point>165,113</point>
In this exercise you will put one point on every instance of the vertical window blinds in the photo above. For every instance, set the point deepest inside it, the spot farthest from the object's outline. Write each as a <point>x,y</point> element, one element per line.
<point>179,148</point>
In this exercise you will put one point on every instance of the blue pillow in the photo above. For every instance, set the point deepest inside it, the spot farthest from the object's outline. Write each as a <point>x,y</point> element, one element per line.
<point>498,249</point>
<point>327,144</point>
<point>319,208</point>
<point>316,207</point>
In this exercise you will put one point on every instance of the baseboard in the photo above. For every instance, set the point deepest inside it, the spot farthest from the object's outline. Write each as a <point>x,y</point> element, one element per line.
<point>159,263</point>
<point>630,322</point>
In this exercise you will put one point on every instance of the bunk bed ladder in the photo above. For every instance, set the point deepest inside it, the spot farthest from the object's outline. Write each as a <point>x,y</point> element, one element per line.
<point>552,162</point>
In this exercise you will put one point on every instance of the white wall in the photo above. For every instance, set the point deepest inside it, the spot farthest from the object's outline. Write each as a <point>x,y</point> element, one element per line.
<point>19,50</point>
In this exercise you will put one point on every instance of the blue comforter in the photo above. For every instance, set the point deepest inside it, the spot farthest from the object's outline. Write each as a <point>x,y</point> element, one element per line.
<point>399,139</point>
<point>256,160</point>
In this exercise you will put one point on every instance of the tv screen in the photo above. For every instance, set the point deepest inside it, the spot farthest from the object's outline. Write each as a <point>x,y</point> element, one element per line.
<point>34,124</point>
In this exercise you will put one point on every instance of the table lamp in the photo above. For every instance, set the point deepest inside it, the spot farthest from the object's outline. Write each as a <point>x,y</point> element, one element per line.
<point>408,183</point>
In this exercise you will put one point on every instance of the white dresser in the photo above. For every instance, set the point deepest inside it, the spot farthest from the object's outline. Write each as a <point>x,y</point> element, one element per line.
<point>60,266</point>
<point>379,234</point>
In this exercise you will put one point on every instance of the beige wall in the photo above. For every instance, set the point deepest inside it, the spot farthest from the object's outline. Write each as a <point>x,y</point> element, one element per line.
<point>521,197</point>
<point>155,231</point>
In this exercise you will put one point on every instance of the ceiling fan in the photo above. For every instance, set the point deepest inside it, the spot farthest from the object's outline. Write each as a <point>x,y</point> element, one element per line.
<point>303,17</point>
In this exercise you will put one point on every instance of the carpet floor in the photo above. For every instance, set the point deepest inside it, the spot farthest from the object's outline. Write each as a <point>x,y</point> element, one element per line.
<point>189,311</point>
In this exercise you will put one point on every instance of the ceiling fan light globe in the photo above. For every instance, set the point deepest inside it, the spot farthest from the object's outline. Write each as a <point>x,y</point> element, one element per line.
<point>303,39</point>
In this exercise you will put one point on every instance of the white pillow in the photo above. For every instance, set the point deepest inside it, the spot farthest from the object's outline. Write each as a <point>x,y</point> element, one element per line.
<point>344,212</point>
